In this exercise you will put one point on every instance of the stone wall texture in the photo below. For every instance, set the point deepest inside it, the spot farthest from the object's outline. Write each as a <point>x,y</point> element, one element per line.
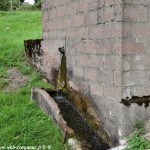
<point>107,49</point>
<point>135,59</point>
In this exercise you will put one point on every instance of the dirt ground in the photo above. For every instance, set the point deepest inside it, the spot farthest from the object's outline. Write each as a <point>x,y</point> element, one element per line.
<point>15,80</point>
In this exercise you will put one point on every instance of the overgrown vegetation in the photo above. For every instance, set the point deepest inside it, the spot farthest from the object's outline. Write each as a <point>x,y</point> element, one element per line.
<point>136,141</point>
<point>38,3</point>
<point>36,6</point>
<point>22,123</point>
<point>6,5</point>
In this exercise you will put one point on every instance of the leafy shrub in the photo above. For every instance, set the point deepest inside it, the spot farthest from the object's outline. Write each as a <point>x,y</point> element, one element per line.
<point>4,5</point>
<point>37,4</point>
<point>136,141</point>
<point>26,7</point>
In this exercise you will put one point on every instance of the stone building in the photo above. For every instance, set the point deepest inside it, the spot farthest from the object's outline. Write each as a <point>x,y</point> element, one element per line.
<point>107,46</point>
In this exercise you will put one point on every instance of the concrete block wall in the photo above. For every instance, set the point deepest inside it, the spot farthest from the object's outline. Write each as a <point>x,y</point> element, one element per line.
<point>107,51</point>
<point>135,58</point>
<point>136,48</point>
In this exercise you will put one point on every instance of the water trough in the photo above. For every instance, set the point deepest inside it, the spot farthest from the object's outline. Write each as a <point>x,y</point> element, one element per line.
<point>71,122</point>
<point>69,109</point>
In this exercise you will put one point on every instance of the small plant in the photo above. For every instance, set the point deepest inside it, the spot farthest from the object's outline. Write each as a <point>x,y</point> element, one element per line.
<point>136,141</point>
<point>3,72</point>
<point>3,83</point>
<point>139,125</point>
<point>25,69</point>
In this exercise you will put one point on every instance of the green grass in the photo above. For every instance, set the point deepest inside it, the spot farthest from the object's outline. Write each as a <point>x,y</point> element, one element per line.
<point>22,123</point>
<point>3,83</point>
<point>21,120</point>
<point>136,141</point>
<point>16,27</point>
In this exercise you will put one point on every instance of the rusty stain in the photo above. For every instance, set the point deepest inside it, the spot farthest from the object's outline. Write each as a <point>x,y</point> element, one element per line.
<point>137,100</point>
<point>33,49</point>
<point>54,74</point>
<point>62,76</point>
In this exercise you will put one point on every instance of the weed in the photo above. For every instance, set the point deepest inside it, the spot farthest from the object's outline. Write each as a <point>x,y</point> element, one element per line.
<point>3,83</point>
<point>3,72</point>
<point>139,125</point>
<point>25,69</point>
<point>136,141</point>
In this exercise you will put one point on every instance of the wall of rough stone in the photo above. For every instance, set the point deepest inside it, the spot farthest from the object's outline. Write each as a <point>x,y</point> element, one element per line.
<point>107,51</point>
<point>135,58</point>
<point>91,31</point>
<point>136,48</point>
